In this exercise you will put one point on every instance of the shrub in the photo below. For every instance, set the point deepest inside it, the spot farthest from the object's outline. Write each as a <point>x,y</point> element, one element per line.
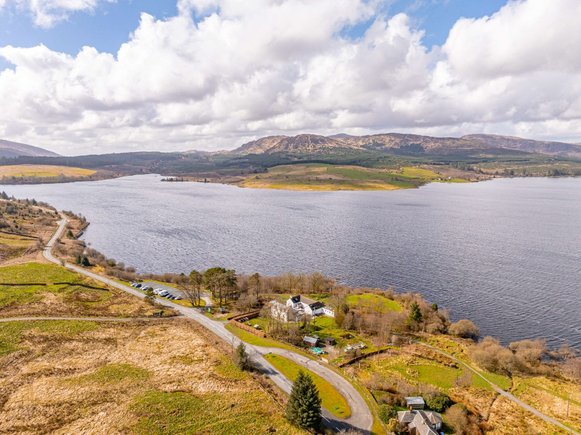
<point>465,329</point>
<point>439,402</point>
<point>387,412</point>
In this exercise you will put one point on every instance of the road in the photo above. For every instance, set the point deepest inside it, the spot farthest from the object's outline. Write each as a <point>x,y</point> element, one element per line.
<point>361,417</point>
<point>503,393</point>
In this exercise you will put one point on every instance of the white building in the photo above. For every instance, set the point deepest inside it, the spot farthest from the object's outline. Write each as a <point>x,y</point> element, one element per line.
<point>282,312</point>
<point>305,306</point>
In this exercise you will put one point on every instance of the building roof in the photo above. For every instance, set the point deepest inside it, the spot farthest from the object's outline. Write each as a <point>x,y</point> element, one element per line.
<point>405,417</point>
<point>307,301</point>
<point>310,340</point>
<point>422,421</point>
<point>415,401</point>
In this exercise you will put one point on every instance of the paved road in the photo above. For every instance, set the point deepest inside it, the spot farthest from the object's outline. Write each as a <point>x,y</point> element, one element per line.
<point>503,393</point>
<point>361,417</point>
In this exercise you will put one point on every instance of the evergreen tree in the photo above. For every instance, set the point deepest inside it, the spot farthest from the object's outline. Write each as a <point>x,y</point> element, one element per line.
<point>242,358</point>
<point>304,405</point>
<point>415,313</point>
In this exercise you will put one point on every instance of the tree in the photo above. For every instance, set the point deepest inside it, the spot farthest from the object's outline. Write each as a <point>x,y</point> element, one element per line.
<point>415,313</point>
<point>254,283</point>
<point>221,282</point>
<point>192,287</point>
<point>304,405</point>
<point>150,297</point>
<point>242,358</point>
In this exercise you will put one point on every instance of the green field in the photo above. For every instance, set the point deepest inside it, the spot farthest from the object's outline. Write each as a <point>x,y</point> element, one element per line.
<point>256,340</point>
<point>115,373</point>
<point>374,301</point>
<point>36,279</point>
<point>342,177</point>
<point>38,289</point>
<point>331,399</point>
<point>161,412</point>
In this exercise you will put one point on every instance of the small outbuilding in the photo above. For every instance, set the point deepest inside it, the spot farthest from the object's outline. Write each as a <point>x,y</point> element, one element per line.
<point>311,341</point>
<point>415,403</point>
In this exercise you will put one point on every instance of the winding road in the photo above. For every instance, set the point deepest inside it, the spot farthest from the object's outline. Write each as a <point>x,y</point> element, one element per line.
<point>361,417</point>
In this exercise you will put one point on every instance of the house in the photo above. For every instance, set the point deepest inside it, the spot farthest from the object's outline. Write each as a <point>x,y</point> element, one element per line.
<point>420,422</point>
<point>415,403</point>
<point>305,306</point>
<point>311,341</point>
<point>282,312</point>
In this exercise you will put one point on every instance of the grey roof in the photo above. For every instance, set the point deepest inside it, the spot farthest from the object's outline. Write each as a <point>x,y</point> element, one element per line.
<point>405,417</point>
<point>417,400</point>
<point>310,340</point>
<point>422,421</point>
<point>310,302</point>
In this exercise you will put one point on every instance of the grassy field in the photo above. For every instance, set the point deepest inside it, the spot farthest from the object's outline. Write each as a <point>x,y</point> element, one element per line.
<point>47,288</point>
<point>84,377</point>
<point>256,340</point>
<point>330,177</point>
<point>556,397</point>
<point>13,334</point>
<point>331,399</point>
<point>43,171</point>
<point>376,302</point>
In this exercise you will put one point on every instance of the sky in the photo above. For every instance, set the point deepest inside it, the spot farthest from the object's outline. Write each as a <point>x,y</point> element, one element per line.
<point>98,76</point>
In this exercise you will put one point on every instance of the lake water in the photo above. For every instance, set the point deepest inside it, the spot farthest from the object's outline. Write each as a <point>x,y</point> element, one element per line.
<point>504,253</point>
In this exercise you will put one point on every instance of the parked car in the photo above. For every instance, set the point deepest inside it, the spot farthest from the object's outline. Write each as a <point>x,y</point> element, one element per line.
<point>137,285</point>
<point>178,298</point>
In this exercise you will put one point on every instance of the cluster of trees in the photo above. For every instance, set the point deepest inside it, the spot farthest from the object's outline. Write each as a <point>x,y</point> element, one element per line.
<point>373,320</point>
<point>526,357</point>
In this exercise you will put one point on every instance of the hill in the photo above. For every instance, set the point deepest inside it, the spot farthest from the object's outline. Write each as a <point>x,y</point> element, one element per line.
<point>14,149</point>
<point>407,144</point>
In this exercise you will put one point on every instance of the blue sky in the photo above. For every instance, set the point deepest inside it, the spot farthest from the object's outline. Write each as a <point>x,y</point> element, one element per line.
<point>107,27</point>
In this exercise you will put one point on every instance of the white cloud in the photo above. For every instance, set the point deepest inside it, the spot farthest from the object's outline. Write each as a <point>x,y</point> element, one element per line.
<point>46,13</point>
<point>246,69</point>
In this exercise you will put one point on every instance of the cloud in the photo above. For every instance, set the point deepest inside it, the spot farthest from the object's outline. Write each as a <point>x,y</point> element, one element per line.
<point>46,13</point>
<point>224,71</point>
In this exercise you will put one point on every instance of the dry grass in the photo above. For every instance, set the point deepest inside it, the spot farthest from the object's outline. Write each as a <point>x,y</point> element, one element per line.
<point>143,377</point>
<point>555,397</point>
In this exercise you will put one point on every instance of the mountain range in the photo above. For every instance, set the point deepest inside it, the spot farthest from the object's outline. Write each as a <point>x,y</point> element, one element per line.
<point>14,149</point>
<point>405,144</point>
